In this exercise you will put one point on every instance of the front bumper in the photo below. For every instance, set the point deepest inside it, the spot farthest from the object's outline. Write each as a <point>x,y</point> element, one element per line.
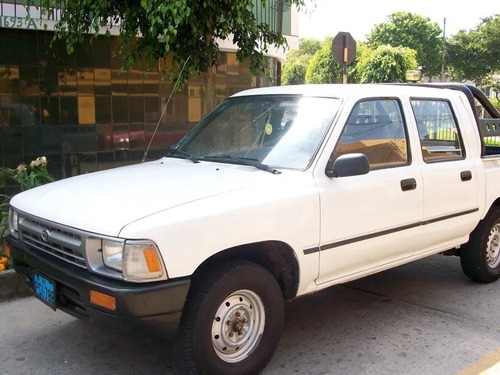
<point>144,309</point>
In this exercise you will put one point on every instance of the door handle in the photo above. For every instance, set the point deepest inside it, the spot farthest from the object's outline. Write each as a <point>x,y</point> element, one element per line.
<point>408,184</point>
<point>466,175</point>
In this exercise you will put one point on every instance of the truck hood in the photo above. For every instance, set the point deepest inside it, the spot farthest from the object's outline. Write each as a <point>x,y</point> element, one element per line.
<point>104,202</point>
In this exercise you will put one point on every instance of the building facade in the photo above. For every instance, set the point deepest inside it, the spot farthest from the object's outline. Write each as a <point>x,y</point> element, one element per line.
<point>83,113</point>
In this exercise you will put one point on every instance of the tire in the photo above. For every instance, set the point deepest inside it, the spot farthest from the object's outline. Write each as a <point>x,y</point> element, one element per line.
<point>232,321</point>
<point>480,257</point>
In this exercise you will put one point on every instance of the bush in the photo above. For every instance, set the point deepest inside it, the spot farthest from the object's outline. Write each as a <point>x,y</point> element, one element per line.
<point>25,177</point>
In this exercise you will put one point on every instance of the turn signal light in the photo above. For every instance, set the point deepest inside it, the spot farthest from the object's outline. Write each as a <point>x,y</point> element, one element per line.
<point>152,260</point>
<point>103,300</point>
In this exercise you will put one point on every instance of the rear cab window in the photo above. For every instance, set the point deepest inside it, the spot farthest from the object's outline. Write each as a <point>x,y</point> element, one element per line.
<point>440,138</point>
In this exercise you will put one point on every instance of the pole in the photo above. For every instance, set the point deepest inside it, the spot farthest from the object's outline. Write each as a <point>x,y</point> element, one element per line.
<point>345,60</point>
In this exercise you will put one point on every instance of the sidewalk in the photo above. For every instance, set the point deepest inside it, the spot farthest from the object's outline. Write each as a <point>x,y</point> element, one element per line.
<point>11,287</point>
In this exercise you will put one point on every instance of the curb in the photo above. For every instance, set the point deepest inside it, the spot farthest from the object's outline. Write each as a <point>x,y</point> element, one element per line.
<point>11,287</point>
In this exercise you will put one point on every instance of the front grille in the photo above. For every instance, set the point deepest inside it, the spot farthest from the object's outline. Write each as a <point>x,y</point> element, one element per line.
<point>53,240</point>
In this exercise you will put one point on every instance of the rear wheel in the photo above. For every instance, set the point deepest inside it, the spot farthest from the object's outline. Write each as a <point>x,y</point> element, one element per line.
<point>480,257</point>
<point>232,321</point>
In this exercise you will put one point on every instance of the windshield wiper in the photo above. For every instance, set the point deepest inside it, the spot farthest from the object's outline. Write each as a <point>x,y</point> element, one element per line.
<point>241,160</point>
<point>175,151</point>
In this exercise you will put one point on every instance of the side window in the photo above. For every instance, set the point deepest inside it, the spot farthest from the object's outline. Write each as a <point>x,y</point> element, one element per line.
<point>439,135</point>
<point>375,128</point>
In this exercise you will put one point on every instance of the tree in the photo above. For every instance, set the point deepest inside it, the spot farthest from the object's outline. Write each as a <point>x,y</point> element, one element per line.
<point>489,29</point>
<point>474,55</point>
<point>294,71</point>
<point>323,68</point>
<point>187,30</point>
<point>386,64</point>
<point>363,54</point>
<point>415,32</point>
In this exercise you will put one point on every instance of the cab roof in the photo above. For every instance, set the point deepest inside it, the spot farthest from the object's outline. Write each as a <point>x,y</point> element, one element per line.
<point>343,91</point>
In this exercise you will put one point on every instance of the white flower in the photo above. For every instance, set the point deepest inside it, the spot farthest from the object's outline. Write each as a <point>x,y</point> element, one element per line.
<point>39,162</point>
<point>20,169</point>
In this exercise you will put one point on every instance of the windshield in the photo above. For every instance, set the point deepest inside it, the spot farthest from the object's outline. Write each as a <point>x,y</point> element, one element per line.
<point>282,132</point>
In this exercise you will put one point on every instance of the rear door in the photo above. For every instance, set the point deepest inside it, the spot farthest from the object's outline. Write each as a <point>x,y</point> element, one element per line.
<point>449,175</point>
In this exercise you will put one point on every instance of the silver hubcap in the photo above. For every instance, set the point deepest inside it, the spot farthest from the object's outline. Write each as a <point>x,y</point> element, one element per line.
<point>238,326</point>
<point>493,247</point>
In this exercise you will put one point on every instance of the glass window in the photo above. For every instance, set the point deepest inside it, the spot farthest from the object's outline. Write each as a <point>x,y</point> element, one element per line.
<point>9,42</point>
<point>283,132</point>
<point>29,81</point>
<point>102,53</point>
<point>102,81</point>
<point>63,58</point>
<point>135,82</point>
<point>119,82</point>
<point>28,53</point>
<point>375,128</point>
<point>29,110</point>
<point>9,80</point>
<point>136,136</point>
<point>151,112</point>
<point>67,82</point>
<point>120,109</point>
<point>85,80</point>
<point>194,103</point>
<point>49,81</point>
<point>103,109</point>
<point>439,136</point>
<point>83,54</point>
<point>88,162</point>
<point>136,109</point>
<point>86,110</point>
<point>48,55</point>
<point>69,110</point>
<point>151,83</point>
<point>50,110</point>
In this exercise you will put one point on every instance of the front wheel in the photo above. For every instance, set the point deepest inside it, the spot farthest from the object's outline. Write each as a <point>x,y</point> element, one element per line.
<point>232,320</point>
<point>480,257</point>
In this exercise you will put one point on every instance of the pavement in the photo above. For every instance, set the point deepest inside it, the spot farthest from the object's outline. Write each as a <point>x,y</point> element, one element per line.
<point>425,317</point>
<point>11,286</point>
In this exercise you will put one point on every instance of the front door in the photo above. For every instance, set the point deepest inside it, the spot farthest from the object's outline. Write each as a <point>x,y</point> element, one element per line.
<point>371,220</point>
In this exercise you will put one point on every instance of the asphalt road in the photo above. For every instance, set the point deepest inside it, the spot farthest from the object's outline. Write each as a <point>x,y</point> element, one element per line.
<point>421,318</point>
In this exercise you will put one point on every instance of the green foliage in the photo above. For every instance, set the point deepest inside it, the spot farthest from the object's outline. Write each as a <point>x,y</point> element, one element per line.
<point>185,29</point>
<point>309,46</point>
<point>294,71</point>
<point>323,68</point>
<point>25,177</point>
<point>385,64</point>
<point>363,54</point>
<point>415,32</point>
<point>474,55</point>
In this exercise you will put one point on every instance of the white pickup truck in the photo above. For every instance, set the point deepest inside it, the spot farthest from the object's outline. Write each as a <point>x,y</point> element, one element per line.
<point>277,193</point>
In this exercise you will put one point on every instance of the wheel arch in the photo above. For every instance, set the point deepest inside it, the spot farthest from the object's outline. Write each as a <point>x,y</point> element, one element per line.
<point>275,256</point>
<point>496,203</point>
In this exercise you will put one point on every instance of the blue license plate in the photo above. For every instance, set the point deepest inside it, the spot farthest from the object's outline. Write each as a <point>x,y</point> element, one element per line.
<point>45,290</point>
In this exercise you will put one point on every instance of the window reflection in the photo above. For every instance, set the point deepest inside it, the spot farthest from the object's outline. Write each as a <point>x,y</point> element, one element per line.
<point>86,110</point>
<point>67,81</point>
<point>85,114</point>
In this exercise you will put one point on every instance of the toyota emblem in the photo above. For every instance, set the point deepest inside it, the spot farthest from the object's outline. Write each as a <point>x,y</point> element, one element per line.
<point>45,235</point>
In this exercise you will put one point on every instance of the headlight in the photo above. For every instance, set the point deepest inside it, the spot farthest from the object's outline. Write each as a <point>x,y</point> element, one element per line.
<point>141,260</point>
<point>13,222</point>
<point>112,253</point>
<point>138,260</point>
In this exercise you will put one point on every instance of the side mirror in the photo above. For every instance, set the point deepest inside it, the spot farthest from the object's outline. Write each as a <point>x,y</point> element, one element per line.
<point>349,165</point>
